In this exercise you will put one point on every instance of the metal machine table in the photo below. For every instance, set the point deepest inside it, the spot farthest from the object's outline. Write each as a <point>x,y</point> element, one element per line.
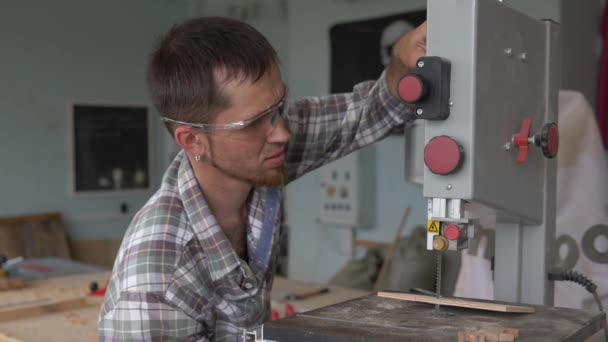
<point>372,318</point>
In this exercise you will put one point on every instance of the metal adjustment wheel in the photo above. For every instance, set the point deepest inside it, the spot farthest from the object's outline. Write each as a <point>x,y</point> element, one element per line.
<point>548,140</point>
<point>440,243</point>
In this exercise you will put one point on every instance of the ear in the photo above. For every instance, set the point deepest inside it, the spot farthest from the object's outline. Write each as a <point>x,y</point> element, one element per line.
<point>191,140</point>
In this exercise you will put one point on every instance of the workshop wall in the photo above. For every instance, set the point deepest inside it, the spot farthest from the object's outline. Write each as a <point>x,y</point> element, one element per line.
<point>54,52</point>
<point>67,50</point>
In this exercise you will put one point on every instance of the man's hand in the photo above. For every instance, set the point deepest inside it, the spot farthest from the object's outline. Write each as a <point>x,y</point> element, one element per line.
<point>405,54</point>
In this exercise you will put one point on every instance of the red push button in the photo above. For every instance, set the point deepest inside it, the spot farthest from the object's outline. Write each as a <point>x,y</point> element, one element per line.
<point>411,88</point>
<point>452,232</point>
<point>443,155</point>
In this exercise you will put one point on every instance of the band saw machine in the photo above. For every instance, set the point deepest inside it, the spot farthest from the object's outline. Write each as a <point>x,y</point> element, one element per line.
<point>487,94</point>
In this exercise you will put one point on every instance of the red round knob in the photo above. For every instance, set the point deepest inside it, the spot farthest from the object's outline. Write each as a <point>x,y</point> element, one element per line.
<point>452,232</point>
<point>443,155</point>
<point>411,88</point>
<point>549,140</point>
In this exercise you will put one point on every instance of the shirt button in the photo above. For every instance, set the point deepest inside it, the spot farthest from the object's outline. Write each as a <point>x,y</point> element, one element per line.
<point>248,285</point>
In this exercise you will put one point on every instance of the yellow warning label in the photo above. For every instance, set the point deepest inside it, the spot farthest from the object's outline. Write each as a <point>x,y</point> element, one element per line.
<point>432,227</point>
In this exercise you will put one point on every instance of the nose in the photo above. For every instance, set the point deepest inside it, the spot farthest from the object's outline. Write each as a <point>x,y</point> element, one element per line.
<point>279,134</point>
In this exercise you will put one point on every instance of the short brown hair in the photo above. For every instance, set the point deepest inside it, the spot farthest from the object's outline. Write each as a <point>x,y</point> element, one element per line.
<point>183,69</point>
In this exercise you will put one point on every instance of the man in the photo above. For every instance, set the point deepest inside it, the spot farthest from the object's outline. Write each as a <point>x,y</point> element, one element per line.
<point>197,262</point>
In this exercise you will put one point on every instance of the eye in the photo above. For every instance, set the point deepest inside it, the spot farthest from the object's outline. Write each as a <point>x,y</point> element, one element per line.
<point>278,112</point>
<point>262,119</point>
<point>258,122</point>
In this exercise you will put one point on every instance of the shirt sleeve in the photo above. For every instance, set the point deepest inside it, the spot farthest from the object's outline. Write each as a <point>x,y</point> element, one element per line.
<point>140,316</point>
<point>325,128</point>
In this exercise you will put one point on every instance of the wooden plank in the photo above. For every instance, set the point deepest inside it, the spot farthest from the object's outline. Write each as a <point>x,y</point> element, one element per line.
<point>463,303</point>
<point>67,326</point>
<point>16,312</point>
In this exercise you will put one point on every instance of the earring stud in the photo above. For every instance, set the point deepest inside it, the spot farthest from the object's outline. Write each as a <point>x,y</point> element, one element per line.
<point>197,157</point>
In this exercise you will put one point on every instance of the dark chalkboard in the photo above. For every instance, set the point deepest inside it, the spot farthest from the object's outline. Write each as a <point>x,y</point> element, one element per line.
<point>110,148</point>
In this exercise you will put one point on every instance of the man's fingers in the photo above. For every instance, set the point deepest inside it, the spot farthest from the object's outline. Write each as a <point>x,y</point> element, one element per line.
<point>422,27</point>
<point>421,31</point>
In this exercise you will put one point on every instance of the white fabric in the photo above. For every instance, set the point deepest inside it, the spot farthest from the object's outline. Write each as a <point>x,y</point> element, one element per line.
<point>582,203</point>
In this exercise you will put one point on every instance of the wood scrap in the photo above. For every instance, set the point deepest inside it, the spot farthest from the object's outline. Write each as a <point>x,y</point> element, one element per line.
<point>11,284</point>
<point>463,303</point>
<point>494,334</point>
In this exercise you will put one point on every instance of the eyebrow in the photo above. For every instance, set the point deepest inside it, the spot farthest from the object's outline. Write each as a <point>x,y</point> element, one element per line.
<point>281,99</point>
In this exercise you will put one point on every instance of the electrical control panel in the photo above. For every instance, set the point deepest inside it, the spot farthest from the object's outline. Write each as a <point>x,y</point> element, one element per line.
<point>348,190</point>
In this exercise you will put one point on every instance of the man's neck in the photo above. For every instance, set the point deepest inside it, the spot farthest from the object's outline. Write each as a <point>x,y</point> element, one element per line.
<point>225,195</point>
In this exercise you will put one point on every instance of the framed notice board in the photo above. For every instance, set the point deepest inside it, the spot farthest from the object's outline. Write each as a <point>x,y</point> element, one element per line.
<point>110,147</point>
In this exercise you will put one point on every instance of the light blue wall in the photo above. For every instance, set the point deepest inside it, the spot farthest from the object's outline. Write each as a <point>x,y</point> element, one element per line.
<point>54,52</point>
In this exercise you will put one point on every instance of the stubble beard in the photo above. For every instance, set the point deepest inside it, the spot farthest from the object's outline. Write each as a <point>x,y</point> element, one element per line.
<point>266,178</point>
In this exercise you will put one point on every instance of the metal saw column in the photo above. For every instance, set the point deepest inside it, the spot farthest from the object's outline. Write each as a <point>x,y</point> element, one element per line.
<point>502,129</point>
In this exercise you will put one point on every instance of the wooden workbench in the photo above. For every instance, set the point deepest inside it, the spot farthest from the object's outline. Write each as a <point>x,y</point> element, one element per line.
<point>81,324</point>
<point>69,325</point>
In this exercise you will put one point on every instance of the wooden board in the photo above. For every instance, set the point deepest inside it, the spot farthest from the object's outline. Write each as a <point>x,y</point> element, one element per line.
<point>67,326</point>
<point>41,307</point>
<point>62,288</point>
<point>462,303</point>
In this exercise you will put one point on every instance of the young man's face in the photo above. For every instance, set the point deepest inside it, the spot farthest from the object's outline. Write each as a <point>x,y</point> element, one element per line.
<point>256,153</point>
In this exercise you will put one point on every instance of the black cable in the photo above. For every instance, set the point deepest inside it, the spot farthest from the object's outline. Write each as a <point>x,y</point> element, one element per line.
<point>579,278</point>
<point>573,276</point>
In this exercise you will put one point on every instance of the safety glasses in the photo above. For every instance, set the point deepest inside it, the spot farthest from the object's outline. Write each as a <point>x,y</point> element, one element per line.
<point>271,115</point>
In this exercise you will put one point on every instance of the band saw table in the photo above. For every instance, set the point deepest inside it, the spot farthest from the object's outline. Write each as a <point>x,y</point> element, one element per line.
<point>373,318</point>
<point>487,94</point>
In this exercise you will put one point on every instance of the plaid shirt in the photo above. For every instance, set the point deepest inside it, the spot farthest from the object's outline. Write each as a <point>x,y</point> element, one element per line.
<point>177,278</point>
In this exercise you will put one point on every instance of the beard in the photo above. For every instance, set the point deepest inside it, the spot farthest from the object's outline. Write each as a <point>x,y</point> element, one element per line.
<point>265,178</point>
